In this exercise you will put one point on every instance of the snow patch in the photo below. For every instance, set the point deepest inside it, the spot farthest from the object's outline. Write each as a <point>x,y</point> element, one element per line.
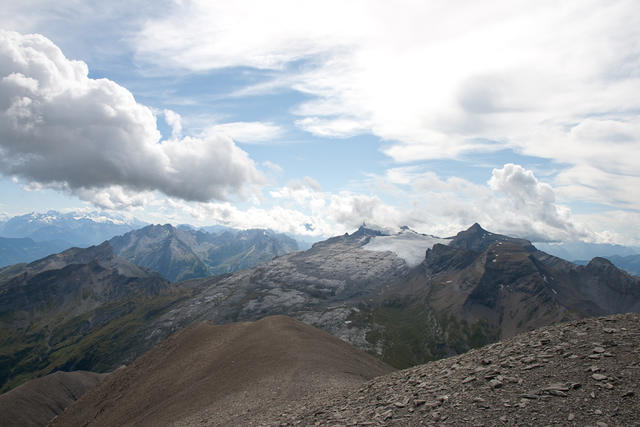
<point>407,244</point>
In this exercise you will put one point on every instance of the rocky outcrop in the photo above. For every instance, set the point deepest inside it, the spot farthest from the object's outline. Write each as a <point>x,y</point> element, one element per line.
<point>585,372</point>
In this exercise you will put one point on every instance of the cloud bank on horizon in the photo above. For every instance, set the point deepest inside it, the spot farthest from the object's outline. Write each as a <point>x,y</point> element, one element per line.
<point>431,81</point>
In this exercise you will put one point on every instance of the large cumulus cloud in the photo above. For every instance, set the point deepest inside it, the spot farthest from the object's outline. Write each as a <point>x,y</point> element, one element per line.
<point>60,128</point>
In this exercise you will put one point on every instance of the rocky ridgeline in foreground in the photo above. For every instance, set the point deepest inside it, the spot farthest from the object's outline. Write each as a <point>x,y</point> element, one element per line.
<point>586,372</point>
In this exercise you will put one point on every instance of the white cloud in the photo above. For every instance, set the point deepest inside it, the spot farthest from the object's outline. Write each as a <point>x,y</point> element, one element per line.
<point>437,80</point>
<point>513,202</point>
<point>248,132</point>
<point>174,120</point>
<point>59,127</point>
<point>530,207</point>
<point>335,128</point>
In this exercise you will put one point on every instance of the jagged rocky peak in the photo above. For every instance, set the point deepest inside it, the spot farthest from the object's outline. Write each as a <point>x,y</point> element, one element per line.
<point>372,230</point>
<point>478,239</point>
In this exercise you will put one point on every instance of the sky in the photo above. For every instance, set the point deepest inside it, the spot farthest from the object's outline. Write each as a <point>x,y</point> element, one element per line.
<point>312,117</point>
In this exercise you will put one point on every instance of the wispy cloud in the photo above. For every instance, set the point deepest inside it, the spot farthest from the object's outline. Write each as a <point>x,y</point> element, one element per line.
<point>551,80</point>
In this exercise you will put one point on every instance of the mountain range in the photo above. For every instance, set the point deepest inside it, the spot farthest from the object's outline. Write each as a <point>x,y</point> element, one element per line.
<point>184,253</point>
<point>586,251</point>
<point>72,228</point>
<point>404,297</point>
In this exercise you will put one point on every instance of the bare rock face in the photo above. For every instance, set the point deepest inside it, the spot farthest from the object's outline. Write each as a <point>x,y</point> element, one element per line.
<point>585,372</point>
<point>320,286</point>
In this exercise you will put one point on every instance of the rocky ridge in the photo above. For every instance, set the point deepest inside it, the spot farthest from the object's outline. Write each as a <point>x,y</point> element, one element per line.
<point>235,374</point>
<point>584,372</point>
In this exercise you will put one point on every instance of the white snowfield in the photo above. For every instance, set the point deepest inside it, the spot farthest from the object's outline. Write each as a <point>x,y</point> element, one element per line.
<point>407,244</point>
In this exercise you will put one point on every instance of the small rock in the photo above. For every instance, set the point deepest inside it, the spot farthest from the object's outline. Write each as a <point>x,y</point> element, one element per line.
<point>529,396</point>
<point>609,330</point>
<point>468,379</point>
<point>399,404</point>
<point>504,418</point>
<point>432,405</point>
<point>571,417</point>
<point>486,361</point>
<point>599,377</point>
<point>533,366</point>
<point>599,350</point>
<point>387,415</point>
<point>557,386</point>
<point>601,424</point>
<point>495,383</point>
<point>419,402</point>
<point>594,356</point>
<point>593,368</point>
<point>597,412</point>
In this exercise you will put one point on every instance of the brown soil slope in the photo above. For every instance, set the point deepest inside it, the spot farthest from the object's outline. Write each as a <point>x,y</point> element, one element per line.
<point>36,402</point>
<point>234,374</point>
<point>585,372</point>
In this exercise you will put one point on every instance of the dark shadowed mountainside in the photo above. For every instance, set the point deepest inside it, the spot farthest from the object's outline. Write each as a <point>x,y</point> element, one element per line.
<point>484,287</point>
<point>47,305</point>
<point>36,402</point>
<point>236,374</point>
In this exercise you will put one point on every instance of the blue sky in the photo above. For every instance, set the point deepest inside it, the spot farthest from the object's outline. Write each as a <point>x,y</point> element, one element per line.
<point>522,116</point>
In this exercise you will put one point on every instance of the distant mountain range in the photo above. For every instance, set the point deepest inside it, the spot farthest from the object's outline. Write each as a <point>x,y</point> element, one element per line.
<point>629,263</point>
<point>72,229</point>
<point>178,253</point>
<point>16,250</point>
<point>586,251</point>
<point>184,253</point>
